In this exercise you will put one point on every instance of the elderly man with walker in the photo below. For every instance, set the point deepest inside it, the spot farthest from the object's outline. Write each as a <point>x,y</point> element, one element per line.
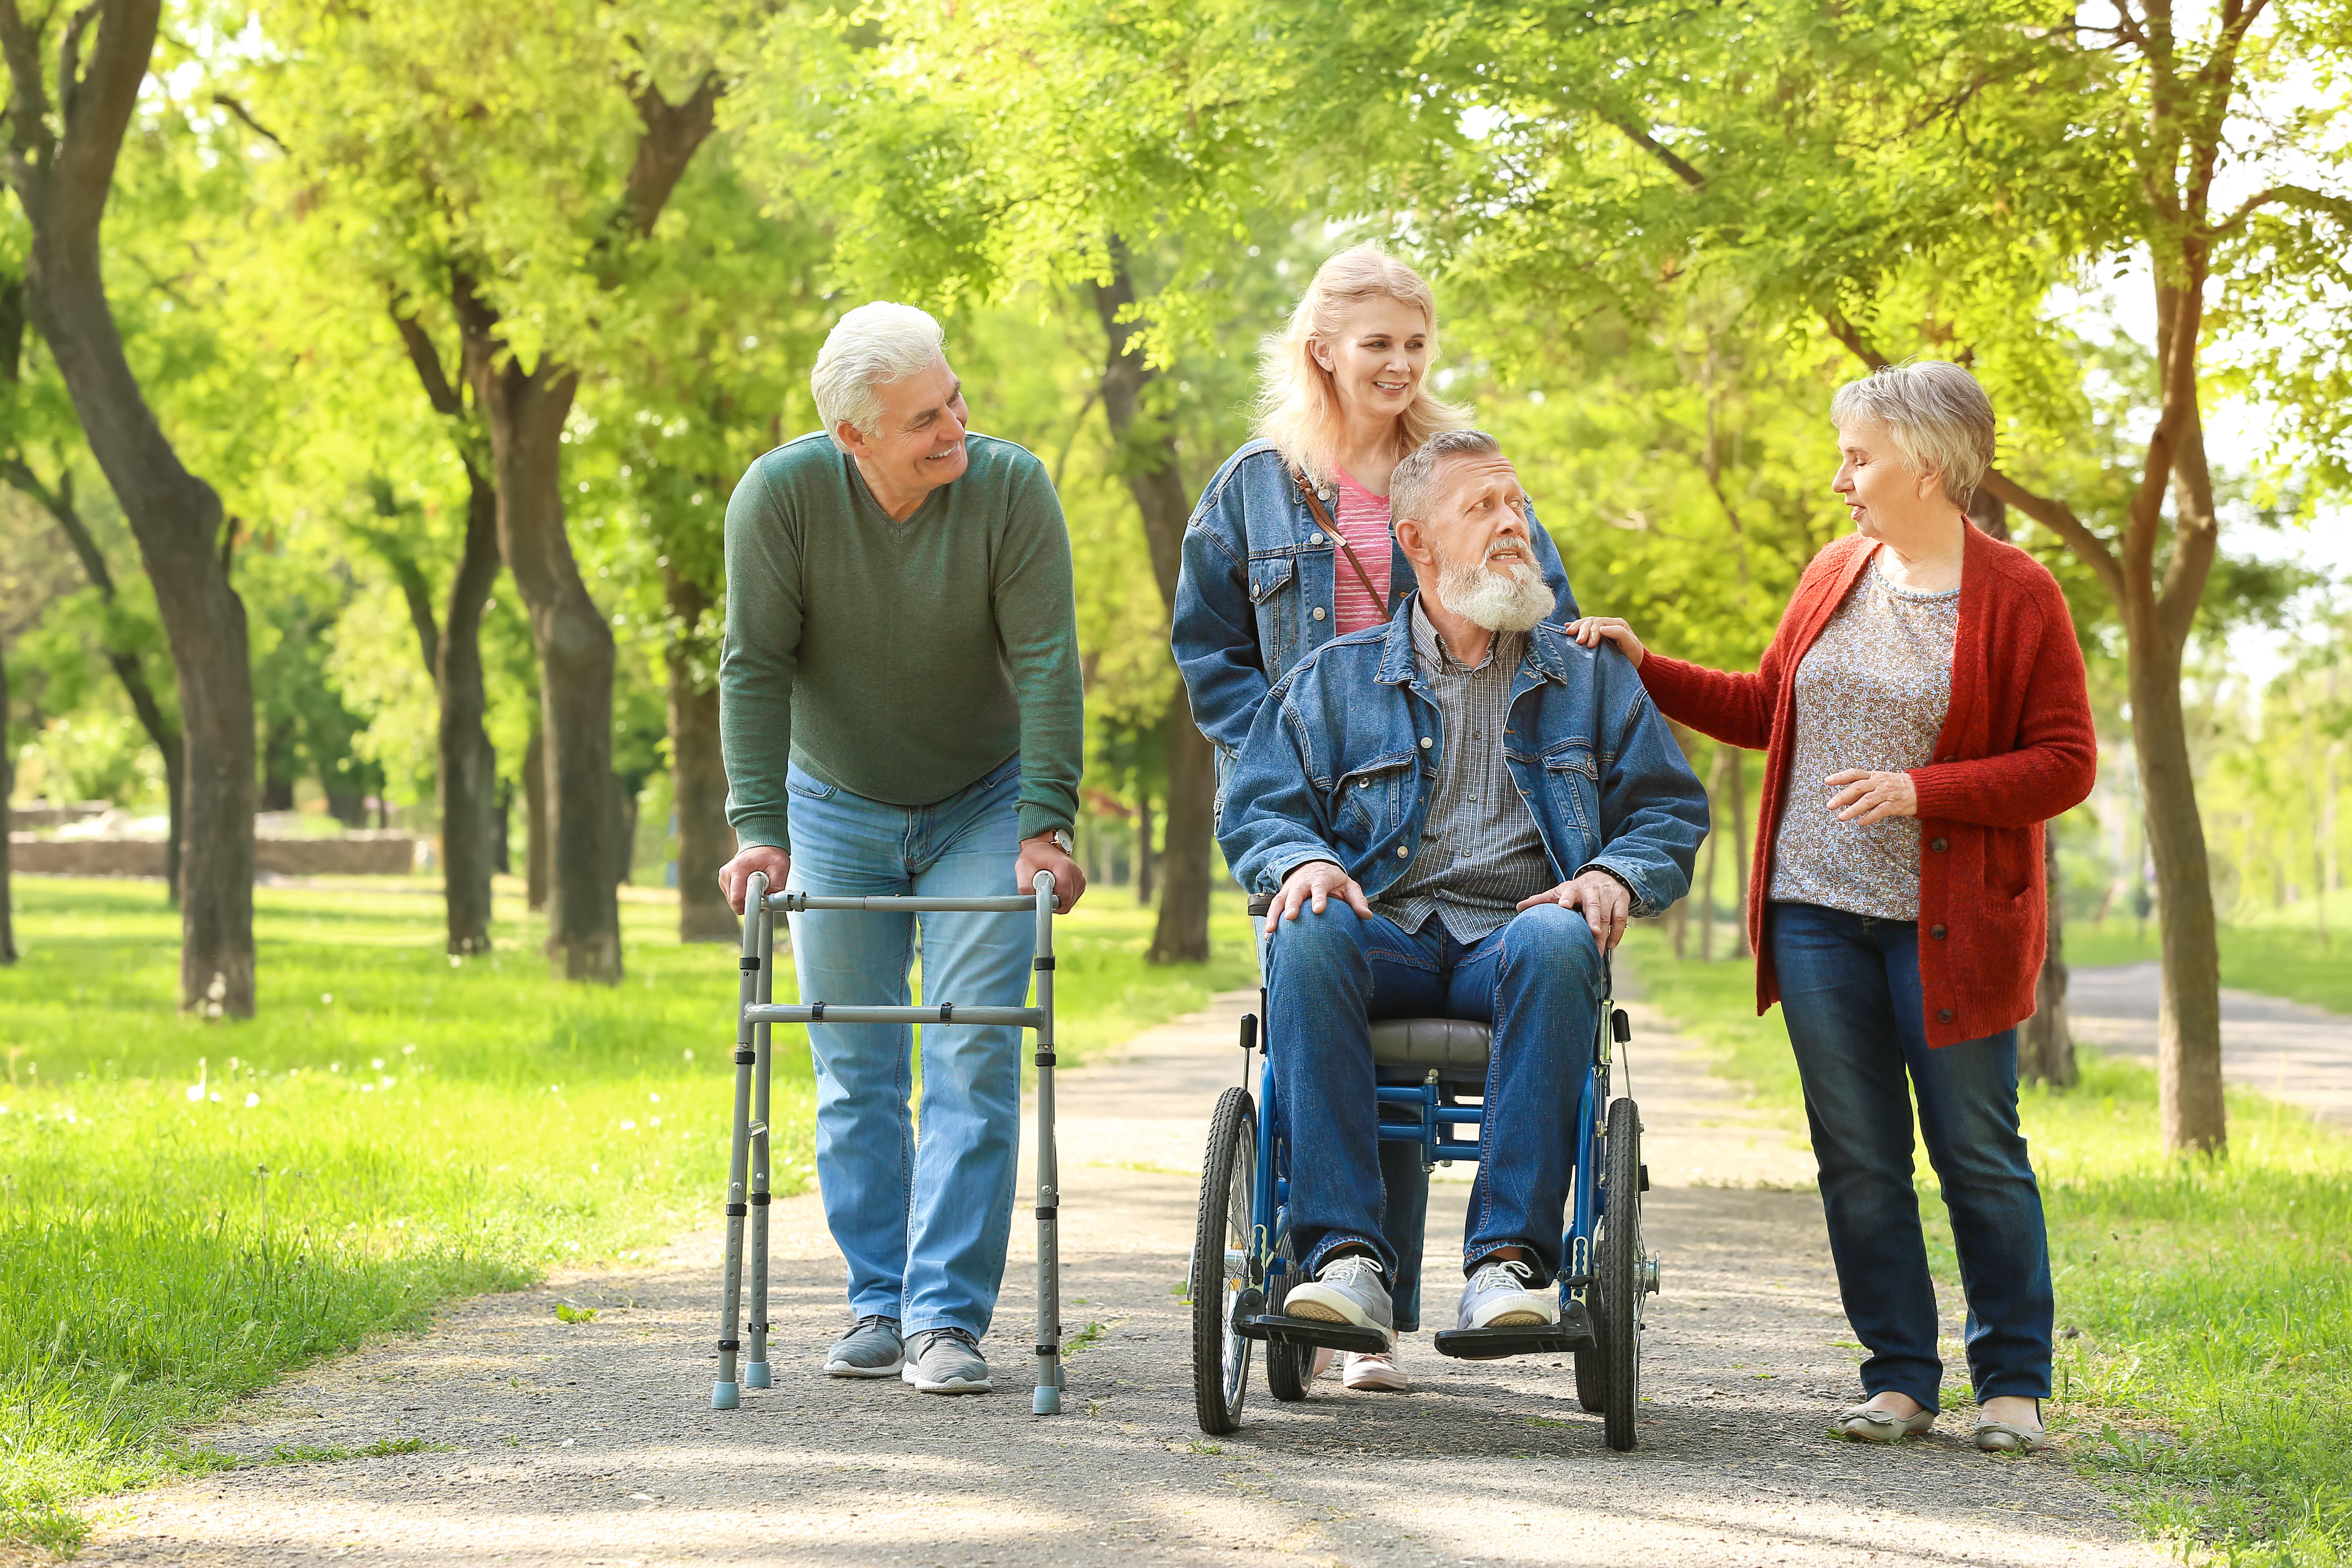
<point>899,704</point>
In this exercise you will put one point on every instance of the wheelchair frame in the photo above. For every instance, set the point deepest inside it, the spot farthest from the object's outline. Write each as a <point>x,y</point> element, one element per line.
<point>1603,1279</point>
<point>746,1182</point>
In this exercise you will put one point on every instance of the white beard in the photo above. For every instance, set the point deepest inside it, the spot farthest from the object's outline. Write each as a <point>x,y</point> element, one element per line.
<point>1485,597</point>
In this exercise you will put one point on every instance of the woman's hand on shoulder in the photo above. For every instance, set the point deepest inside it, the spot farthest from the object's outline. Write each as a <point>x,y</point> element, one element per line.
<point>1592,630</point>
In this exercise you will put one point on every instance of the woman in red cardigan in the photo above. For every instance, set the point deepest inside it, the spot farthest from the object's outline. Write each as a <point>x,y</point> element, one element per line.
<point>1922,711</point>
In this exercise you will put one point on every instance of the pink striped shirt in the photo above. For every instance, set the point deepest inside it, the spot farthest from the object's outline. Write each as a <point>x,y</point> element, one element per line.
<point>1363,520</point>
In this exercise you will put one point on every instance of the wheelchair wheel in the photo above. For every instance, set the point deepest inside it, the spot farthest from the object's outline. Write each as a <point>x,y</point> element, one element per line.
<point>1592,1387</point>
<point>1288,1368</point>
<point>1618,1276</point>
<point>1222,1265</point>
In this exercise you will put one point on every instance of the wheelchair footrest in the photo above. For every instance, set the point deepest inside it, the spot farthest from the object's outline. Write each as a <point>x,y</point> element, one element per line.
<point>1277,1329</point>
<point>1573,1333</point>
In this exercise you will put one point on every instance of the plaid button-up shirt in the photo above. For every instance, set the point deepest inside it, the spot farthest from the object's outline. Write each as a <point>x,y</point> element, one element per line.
<point>1480,852</point>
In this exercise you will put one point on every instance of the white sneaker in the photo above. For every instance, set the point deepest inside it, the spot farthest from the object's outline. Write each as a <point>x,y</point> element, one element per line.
<point>1507,1293</point>
<point>1345,1291</point>
<point>1376,1372</point>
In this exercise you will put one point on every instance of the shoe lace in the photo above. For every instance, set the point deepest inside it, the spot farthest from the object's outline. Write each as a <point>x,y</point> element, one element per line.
<point>1505,1274</point>
<point>871,1318</point>
<point>960,1336</point>
<point>1347,1270</point>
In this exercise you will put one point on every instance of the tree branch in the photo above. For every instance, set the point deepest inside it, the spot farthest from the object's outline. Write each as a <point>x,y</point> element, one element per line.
<point>224,101</point>
<point>672,134</point>
<point>2299,197</point>
<point>1664,154</point>
<point>438,391</point>
<point>1849,334</point>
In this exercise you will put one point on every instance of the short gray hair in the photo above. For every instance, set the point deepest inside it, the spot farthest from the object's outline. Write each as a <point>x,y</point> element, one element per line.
<point>1938,415</point>
<point>874,343</point>
<point>1413,488</point>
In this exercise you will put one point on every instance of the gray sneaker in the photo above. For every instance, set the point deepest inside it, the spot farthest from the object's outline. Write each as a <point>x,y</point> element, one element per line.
<point>872,1349</point>
<point>1506,1293</point>
<point>1345,1291</point>
<point>946,1361</point>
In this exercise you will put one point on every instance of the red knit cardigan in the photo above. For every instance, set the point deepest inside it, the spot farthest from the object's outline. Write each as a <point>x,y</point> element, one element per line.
<point>2017,747</point>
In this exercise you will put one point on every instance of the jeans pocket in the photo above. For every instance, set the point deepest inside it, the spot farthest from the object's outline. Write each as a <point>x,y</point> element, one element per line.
<point>806,785</point>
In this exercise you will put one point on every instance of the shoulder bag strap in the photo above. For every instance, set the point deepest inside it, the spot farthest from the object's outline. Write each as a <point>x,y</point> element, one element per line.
<point>1323,520</point>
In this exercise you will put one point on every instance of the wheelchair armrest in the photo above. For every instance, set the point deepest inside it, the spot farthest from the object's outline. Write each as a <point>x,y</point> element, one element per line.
<point>1258,904</point>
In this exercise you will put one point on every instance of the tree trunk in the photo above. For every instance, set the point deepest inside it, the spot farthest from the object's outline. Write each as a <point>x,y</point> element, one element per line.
<point>2190,1098</point>
<point>1147,458</point>
<point>2046,1042</point>
<point>1143,856</point>
<point>1182,933</point>
<point>526,412</point>
<point>470,831</point>
<point>697,775</point>
<point>501,855</point>
<point>1738,769</point>
<point>534,810</point>
<point>1707,858</point>
<point>61,179</point>
<point>624,831</point>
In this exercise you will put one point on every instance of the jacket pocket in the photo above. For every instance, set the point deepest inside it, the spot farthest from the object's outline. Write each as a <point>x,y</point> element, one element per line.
<point>1370,802</point>
<point>1572,778</point>
<point>2009,865</point>
<point>1273,590</point>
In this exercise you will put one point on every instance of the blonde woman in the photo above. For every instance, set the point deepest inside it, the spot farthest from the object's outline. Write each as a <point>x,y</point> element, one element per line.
<point>1290,547</point>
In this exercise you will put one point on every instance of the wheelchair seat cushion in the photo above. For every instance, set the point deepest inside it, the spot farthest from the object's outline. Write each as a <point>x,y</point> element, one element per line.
<point>1454,1045</point>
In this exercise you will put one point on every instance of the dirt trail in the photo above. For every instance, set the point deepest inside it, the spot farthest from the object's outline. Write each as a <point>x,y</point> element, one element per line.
<point>595,1443</point>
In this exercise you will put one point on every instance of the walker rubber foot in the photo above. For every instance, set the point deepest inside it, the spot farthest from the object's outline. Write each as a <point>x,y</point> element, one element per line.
<point>726,1395</point>
<point>755,1375</point>
<point>1046,1402</point>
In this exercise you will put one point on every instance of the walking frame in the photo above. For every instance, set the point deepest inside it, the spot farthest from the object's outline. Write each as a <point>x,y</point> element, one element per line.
<point>747,1172</point>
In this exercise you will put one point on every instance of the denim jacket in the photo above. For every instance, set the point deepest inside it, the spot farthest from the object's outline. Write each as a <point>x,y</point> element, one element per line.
<point>1255,592</point>
<point>1341,765</point>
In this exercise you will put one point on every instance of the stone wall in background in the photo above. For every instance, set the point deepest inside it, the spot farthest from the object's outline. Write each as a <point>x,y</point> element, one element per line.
<point>374,855</point>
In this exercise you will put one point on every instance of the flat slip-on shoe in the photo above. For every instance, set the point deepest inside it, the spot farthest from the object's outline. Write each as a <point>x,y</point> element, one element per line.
<point>1864,1424</point>
<point>2001,1438</point>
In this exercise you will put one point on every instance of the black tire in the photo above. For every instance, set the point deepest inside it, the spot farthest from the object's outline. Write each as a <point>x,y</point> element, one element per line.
<point>1591,1389</point>
<point>1221,1263</point>
<point>1288,1368</point>
<point>1617,1268</point>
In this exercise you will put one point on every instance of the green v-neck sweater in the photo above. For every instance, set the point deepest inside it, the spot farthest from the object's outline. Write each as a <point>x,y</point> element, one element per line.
<point>901,661</point>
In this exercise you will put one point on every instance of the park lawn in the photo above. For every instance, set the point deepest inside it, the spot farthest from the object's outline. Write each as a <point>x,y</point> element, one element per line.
<point>189,1209</point>
<point>2210,1301</point>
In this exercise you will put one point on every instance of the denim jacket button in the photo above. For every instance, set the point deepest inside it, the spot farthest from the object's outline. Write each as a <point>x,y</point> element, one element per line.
<point>1318,612</point>
<point>1425,743</point>
<point>1403,851</point>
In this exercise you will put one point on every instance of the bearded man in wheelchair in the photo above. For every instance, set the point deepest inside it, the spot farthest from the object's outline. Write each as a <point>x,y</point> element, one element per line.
<point>1456,814</point>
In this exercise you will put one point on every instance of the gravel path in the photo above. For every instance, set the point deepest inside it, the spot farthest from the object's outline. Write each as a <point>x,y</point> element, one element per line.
<point>592,1442</point>
<point>2289,1050</point>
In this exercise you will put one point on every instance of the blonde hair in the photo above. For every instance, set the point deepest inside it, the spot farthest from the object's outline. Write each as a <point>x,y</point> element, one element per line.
<point>1297,406</point>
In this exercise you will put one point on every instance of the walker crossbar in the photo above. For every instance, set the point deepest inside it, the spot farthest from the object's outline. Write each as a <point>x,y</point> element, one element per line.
<point>793,903</point>
<point>948,1013</point>
<point>747,1181</point>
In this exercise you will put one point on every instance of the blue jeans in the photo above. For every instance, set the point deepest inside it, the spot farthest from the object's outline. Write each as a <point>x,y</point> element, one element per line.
<point>1850,994</point>
<point>923,1226</point>
<point>1537,981</point>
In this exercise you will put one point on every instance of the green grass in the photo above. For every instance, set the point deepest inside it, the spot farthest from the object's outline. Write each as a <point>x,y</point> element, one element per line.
<point>2211,1301</point>
<point>189,1209</point>
<point>2276,954</point>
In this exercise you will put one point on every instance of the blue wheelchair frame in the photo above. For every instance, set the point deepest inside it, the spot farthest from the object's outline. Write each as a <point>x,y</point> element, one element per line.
<point>1434,1111</point>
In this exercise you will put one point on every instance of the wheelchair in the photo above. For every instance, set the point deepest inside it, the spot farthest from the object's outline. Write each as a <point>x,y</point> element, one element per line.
<point>1431,1072</point>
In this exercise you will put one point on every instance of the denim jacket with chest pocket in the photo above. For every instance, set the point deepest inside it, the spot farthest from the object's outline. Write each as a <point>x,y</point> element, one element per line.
<point>1253,596</point>
<point>1341,765</point>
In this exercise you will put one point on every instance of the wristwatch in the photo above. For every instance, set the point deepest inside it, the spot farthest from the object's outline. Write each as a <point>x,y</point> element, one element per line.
<point>1069,845</point>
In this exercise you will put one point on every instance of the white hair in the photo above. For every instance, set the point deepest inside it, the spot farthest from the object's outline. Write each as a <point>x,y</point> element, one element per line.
<point>1937,414</point>
<point>871,344</point>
